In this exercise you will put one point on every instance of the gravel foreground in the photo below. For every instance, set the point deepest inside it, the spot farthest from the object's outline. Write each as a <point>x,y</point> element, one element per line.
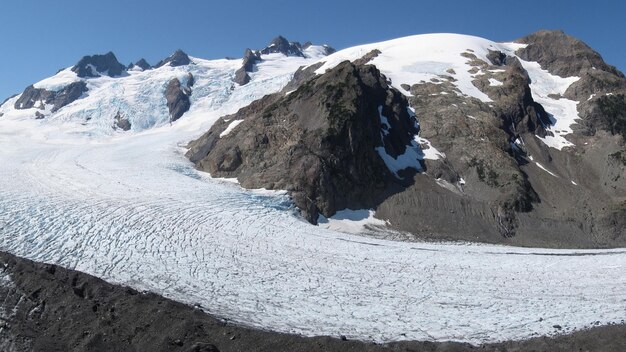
<point>49,308</point>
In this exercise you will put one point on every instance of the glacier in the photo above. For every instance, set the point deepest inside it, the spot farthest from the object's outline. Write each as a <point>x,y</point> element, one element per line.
<point>129,208</point>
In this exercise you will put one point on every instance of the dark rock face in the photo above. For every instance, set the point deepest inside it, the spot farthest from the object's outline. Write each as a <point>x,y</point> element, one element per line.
<point>496,58</point>
<point>177,97</point>
<point>318,142</point>
<point>121,122</point>
<point>143,64</point>
<point>67,95</point>
<point>610,114</point>
<point>178,58</point>
<point>561,54</point>
<point>599,134</point>
<point>301,76</point>
<point>477,139</point>
<point>283,46</point>
<point>95,65</point>
<point>250,59</point>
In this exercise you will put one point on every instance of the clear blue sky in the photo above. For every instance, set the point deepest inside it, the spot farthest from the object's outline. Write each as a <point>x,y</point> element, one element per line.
<point>40,37</point>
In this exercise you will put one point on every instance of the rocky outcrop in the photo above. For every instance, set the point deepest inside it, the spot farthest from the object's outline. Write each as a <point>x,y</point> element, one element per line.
<point>141,65</point>
<point>121,122</point>
<point>599,88</point>
<point>177,97</point>
<point>178,58</point>
<point>497,58</point>
<point>301,76</point>
<point>319,142</point>
<point>599,134</point>
<point>250,59</point>
<point>97,65</point>
<point>281,45</point>
<point>479,180</point>
<point>39,98</point>
<point>561,54</point>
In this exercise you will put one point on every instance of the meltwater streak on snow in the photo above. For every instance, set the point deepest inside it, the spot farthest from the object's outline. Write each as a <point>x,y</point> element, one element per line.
<point>131,209</point>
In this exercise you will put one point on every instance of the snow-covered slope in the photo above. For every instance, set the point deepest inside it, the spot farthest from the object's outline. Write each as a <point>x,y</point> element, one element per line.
<point>426,58</point>
<point>139,95</point>
<point>128,207</point>
<point>420,58</point>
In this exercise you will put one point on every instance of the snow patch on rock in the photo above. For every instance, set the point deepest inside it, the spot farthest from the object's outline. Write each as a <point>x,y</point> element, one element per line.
<point>351,221</point>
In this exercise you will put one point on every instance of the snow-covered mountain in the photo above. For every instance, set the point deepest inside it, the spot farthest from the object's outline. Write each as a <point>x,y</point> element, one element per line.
<point>494,126</point>
<point>455,137</point>
<point>98,94</point>
<point>511,142</point>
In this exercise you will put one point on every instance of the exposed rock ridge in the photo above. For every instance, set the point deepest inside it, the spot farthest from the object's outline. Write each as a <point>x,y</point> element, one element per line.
<point>279,45</point>
<point>561,54</point>
<point>566,56</point>
<point>318,142</point>
<point>178,58</point>
<point>177,97</point>
<point>250,59</point>
<point>97,65</point>
<point>142,64</point>
<point>35,97</point>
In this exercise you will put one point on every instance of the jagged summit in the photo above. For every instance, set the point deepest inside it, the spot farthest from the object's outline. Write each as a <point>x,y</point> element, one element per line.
<point>281,45</point>
<point>142,65</point>
<point>178,58</point>
<point>97,65</point>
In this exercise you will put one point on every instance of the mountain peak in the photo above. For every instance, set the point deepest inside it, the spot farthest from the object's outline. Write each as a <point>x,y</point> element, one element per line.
<point>178,58</point>
<point>143,64</point>
<point>562,54</point>
<point>95,65</point>
<point>281,45</point>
